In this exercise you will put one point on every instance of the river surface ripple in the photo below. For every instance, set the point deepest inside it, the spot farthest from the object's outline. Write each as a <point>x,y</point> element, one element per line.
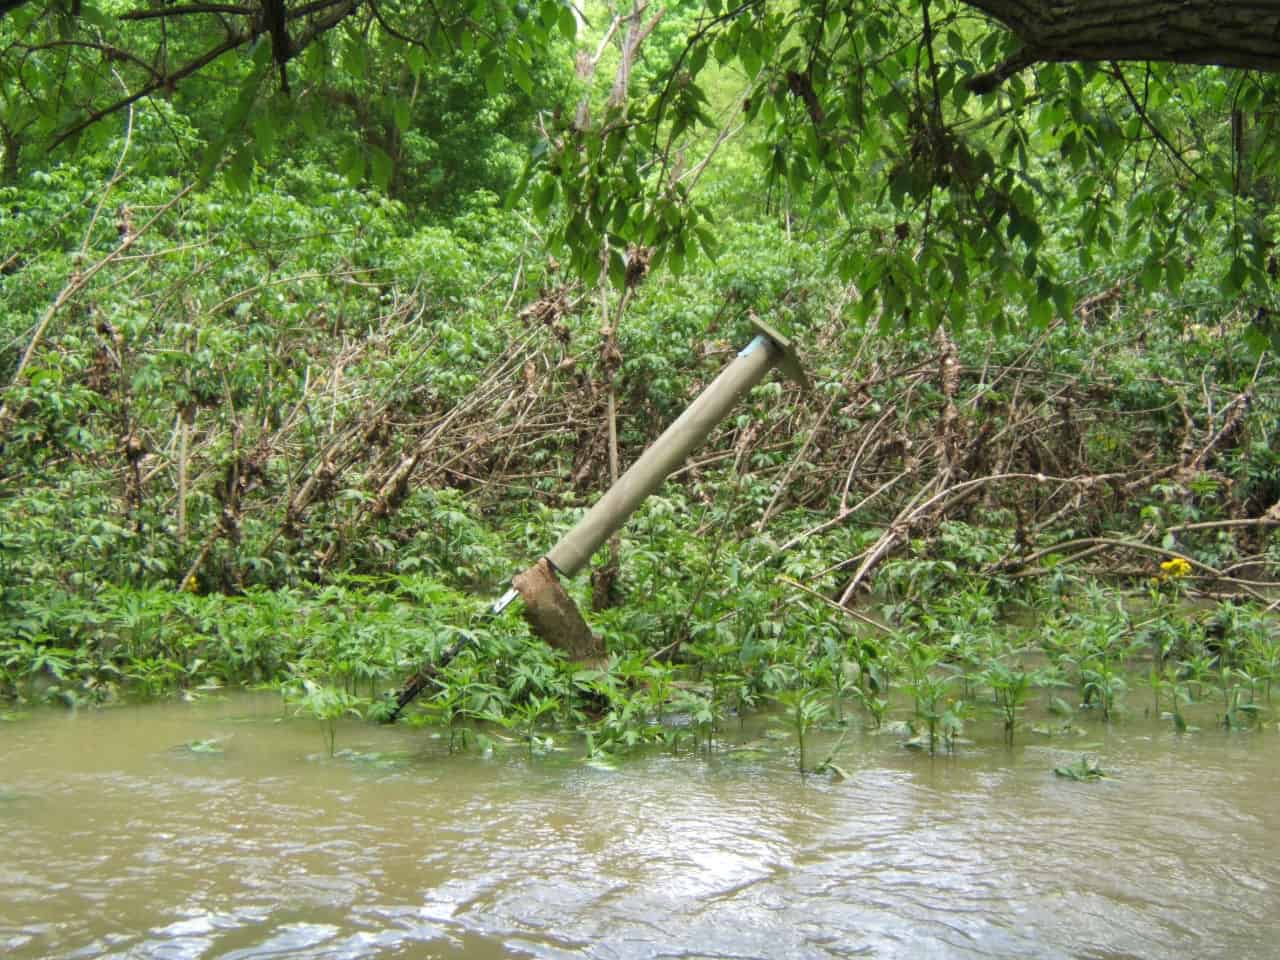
<point>120,843</point>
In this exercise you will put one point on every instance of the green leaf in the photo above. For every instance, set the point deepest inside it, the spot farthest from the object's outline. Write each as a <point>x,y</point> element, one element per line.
<point>264,133</point>
<point>722,49</point>
<point>707,240</point>
<point>617,268</point>
<point>544,194</point>
<point>492,73</point>
<point>1236,275</point>
<point>351,165</point>
<point>260,52</point>
<point>1149,277</point>
<point>355,58</point>
<point>1257,341</point>
<point>568,23</point>
<point>400,113</point>
<point>548,14</point>
<point>415,58</point>
<point>240,169</point>
<point>311,116</point>
<point>96,18</point>
<point>1062,301</point>
<point>236,116</point>
<point>380,167</point>
<point>676,258</point>
<point>1040,310</point>
<point>212,156</point>
<point>520,72</point>
<point>315,61</point>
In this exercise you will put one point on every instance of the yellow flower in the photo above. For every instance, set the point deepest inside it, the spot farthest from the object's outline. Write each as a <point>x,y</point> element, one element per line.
<point>1174,569</point>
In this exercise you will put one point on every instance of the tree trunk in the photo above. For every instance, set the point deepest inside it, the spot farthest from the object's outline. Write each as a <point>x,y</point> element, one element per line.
<point>1226,33</point>
<point>9,168</point>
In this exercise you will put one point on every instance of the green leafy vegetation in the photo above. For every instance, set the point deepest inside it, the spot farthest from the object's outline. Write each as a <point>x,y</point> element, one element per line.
<point>303,358</point>
<point>1083,770</point>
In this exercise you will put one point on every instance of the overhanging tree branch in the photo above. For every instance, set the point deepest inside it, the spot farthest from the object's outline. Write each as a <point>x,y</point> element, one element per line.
<point>232,41</point>
<point>186,9</point>
<point>1150,124</point>
<point>340,12</point>
<point>108,51</point>
<point>284,47</point>
<point>1224,33</point>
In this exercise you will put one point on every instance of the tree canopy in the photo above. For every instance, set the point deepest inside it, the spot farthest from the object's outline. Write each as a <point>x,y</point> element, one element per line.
<point>962,156</point>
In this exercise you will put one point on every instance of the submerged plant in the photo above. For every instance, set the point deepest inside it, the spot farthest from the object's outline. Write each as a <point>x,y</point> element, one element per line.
<point>523,719</point>
<point>153,676</point>
<point>1264,656</point>
<point>703,718</point>
<point>804,710</point>
<point>1103,683</point>
<point>448,708</point>
<point>1083,769</point>
<point>1238,713</point>
<point>1009,687</point>
<point>928,693</point>
<point>876,707</point>
<point>325,703</point>
<point>211,745</point>
<point>1195,672</point>
<point>840,677</point>
<point>1180,697</point>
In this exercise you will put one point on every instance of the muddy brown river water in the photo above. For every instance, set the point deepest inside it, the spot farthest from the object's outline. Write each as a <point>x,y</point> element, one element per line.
<point>120,842</point>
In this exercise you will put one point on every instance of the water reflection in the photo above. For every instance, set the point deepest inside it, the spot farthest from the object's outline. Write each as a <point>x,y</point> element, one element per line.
<point>121,846</point>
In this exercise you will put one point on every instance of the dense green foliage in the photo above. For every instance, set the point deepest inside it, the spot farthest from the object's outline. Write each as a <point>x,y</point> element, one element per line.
<point>950,178</point>
<point>298,424</point>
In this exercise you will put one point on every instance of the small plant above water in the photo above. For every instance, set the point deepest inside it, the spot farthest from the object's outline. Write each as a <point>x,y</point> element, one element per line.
<point>1086,768</point>
<point>210,746</point>
<point>934,715</point>
<point>324,703</point>
<point>1010,688</point>
<point>523,719</point>
<point>804,709</point>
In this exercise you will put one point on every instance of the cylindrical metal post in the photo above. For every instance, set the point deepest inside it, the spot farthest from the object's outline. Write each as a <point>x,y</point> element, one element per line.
<point>680,439</point>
